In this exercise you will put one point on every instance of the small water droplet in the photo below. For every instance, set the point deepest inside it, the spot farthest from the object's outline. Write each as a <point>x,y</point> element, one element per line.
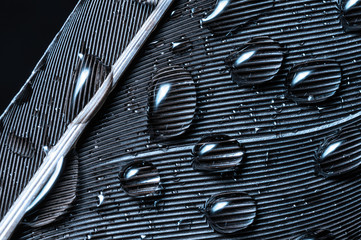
<point>351,14</point>
<point>314,81</point>
<point>20,145</point>
<point>340,154</point>
<point>87,79</point>
<point>217,153</point>
<point>257,62</point>
<point>231,212</point>
<point>140,179</point>
<point>182,45</point>
<point>172,103</point>
<point>316,234</point>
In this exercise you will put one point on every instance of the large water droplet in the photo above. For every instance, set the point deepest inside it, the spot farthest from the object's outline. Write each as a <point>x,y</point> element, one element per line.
<point>87,79</point>
<point>340,154</point>
<point>20,145</point>
<point>172,103</point>
<point>316,234</point>
<point>257,62</point>
<point>351,14</point>
<point>314,81</point>
<point>228,16</point>
<point>140,179</point>
<point>230,213</point>
<point>217,153</point>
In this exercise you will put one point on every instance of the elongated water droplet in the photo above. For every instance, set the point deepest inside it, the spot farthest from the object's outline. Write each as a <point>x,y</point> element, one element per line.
<point>316,234</point>
<point>314,81</point>
<point>20,145</point>
<point>60,199</point>
<point>231,212</point>
<point>226,15</point>
<point>182,45</point>
<point>140,179</point>
<point>172,103</point>
<point>87,79</point>
<point>257,62</point>
<point>351,14</point>
<point>217,153</point>
<point>48,186</point>
<point>340,154</point>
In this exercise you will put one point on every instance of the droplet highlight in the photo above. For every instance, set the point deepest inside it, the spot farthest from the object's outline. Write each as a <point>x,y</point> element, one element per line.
<point>140,179</point>
<point>341,154</point>
<point>218,153</point>
<point>171,103</point>
<point>219,9</point>
<point>88,77</point>
<point>258,61</point>
<point>100,199</point>
<point>182,45</point>
<point>314,81</point>
<point>230,213</point>
<point>351,14</point>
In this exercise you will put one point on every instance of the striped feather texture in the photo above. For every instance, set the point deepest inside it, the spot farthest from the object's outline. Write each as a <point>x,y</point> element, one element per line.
<point>280,136</point>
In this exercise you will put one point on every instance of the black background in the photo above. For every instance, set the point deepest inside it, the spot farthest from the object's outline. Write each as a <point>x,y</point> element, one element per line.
<point>27,28</point>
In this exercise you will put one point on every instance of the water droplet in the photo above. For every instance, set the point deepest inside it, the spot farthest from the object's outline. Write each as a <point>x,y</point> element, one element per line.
<point>25,94</point>
<point>217,153</point>
<point>351,14</point>
<point>316,234</point>
<point>314,81</point>
<point>87,79</point>
<point>182,45</point>
<point>48,186</point>
<point>219,9</point>
<point>172,103</point>
<point>20,145</point>
<point>341,154</point>
<point>225,17</point>
<point>230,213</point>
<point>140,179</point>
<point>257,62</point>
<point>100,199</point>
